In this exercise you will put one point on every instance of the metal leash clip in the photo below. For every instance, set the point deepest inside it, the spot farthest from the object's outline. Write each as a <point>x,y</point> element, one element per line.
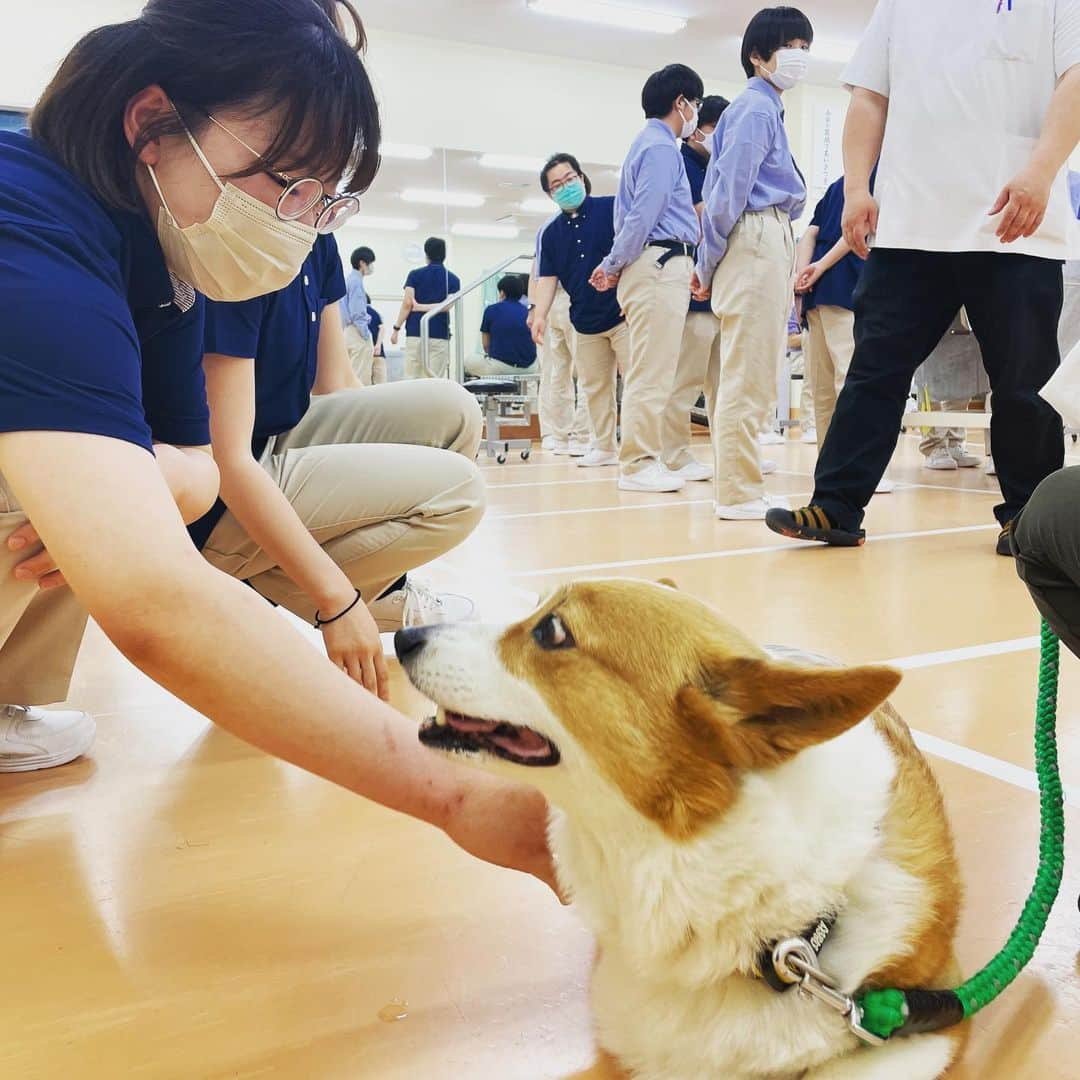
<point>796,964</point>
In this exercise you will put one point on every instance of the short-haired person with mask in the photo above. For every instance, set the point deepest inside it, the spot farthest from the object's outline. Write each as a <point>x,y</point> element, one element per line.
<point>700,349</point>
<point>509,349</point>
<point>650,264</point>
<point>129,196</point>
<point>425,289</point>
<point>572,241</point>
<point>354,314</point>
<point>973,116</point>
<point>753,192</point>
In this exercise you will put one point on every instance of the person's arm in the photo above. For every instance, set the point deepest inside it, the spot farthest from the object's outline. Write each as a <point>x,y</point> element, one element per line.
<point>657,174</point>
<point>804,254</point>
<point>1023,201</point>
<point>380,338</point>
<point>334,371</point>
<point>810,274</point>
<point>485,342</point>
<point>352,642</point>
<point>105,513</point>
<point>544,293</point>
<point>864,133</point>
<point>408,305</point>
<point>485,331</point>
<point>747,142</point>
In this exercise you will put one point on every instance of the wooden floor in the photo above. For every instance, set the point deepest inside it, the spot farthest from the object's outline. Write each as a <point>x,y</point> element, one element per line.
<point>180,906</point>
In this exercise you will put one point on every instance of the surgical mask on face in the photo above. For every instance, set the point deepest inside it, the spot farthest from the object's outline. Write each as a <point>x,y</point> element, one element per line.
<point>570,196</point>
<point>690,126</point>
<point>791,68</point>
<point>244,250</point>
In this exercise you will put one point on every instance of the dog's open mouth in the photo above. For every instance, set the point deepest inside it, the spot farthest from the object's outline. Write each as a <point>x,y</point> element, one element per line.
<point>466,734</point>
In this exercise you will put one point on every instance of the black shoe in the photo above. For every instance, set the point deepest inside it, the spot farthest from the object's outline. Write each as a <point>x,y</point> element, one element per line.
<point>812,523</point>
<point>1004,541</point>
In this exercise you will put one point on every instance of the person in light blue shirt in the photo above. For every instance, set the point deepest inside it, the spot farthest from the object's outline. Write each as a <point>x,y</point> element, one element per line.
<point>753,192</point>
<point>356,318</point>
<point>650,262</point>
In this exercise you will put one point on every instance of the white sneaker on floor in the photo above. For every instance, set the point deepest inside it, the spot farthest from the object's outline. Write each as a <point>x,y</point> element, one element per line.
<point>885,486</point>
<point>548,442</point>
<point>693,472</point>
<point>597,459</point>
<point>571,449</point>
<point>555,446</point>
<point>942,460</point>
<point>991,468</point>
<point>770,438</point>
<point>653,477</point>
<point>39,739</point>
<point>754,510</point>
<point>417,605</point>
<point>809,436</point>
<point>768,466</point>
<point>963,459</point>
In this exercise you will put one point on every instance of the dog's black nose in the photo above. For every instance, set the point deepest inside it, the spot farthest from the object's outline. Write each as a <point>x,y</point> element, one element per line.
<point>409,641</point>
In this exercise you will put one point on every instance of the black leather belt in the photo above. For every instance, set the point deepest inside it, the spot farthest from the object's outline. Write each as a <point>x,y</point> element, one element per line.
<point>673,249</point>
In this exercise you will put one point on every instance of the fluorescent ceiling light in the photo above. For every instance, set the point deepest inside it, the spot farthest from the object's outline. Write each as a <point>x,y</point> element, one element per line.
<point>405,151</point>
<point>539,206</point>
<point>596,11</point>
<point>511,163</point>
<point>487,232</point>
<point>434,197</point>
<point>385,224</point>
<point>833,52</point>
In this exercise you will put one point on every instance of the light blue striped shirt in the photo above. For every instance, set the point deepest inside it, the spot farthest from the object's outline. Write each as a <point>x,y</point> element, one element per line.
<point>355,309</point>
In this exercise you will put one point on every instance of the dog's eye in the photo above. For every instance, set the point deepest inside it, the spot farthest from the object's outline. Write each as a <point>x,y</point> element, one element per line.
<point>550,633</point>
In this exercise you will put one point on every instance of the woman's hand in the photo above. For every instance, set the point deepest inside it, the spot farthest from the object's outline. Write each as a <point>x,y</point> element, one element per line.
<point>39,567</point>
<point>808,278</point>
<point>353,644</point>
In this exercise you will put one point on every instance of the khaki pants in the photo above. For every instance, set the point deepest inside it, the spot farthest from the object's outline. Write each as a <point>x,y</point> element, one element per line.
<point>438,359</point>
<point>382,477</point>
<point>828,346</point>
<point>369,369</point>
<point>40,632</point>
<point>600,358</point>
<point>559,417</point>
<point>700,354</point>
<point>487,367</point>
<point>655,302</point>
<point>751,296</point>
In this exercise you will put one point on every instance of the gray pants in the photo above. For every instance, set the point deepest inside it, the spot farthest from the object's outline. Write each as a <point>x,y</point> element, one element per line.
<point>1046,540</point>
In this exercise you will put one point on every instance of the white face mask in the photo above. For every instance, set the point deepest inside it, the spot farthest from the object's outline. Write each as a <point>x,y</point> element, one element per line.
<point>791,68</point>
<point>689,126</point>
<point>244,250</point>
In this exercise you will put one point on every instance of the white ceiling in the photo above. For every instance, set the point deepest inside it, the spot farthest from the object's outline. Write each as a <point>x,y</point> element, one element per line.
<point>710,42</point>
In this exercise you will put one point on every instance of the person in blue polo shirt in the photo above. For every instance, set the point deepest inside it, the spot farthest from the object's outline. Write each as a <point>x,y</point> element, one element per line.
<point>650,263</point>
<point>425,289</point>
<point>339,493</point>
<point>378,333</point>
<point>508,345</point>
<point>701,335</point>
<point>196,148</point>
<point>567,246</point>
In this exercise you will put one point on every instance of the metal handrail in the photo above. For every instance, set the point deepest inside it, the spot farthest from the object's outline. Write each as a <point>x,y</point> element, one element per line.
<point>455,300</point>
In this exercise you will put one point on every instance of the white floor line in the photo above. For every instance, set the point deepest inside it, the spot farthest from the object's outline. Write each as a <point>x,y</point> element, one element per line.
<point>611,477</point>
<point>667,504</point>
<point>968,652</point>
<point>987,765</point>
<point>948,487</point>
<point>733,553</point>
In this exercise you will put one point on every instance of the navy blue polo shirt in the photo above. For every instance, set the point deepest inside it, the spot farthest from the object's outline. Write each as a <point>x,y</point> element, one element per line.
<point>696,167</point>
<point>374,325</point>
<point>432,284</point>
<point>511,341</point>
<point>570,247</point>
<point>91,340</point>
<point>281,333</point>
<point>837,284</point>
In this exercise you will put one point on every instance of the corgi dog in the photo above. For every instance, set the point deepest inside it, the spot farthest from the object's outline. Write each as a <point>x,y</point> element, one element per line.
<point>710,801</point>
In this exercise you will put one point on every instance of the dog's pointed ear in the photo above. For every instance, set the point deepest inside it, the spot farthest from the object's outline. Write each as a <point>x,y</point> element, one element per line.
<point>753,713</point>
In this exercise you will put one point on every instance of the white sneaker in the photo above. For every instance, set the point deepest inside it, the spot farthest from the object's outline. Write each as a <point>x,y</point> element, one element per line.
<point>38,739</point>
<point>417,605</point>
<point>571,449</point>
<point>754,510</point>
<point>597,459</point>
<point>548,442</point>
<point>693,471</point>
<point>941,459</point>
<point>963,459</point>
<point>809,436</point>
<point>771,438</point>
<point>653,477</point>
<point>885,486</point>
<point>991,468</point>
<point>768,466</point>
<point>555,446</point>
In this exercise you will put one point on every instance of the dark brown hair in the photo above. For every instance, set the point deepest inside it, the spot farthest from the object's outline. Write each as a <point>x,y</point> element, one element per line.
<point>297,58</point>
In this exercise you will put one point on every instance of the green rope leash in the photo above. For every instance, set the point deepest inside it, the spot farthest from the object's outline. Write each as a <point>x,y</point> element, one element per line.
<point>890,1012</point>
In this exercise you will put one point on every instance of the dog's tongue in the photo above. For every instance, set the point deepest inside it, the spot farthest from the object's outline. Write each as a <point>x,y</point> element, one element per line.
<point>467,723</point>
<point>524,743</point>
